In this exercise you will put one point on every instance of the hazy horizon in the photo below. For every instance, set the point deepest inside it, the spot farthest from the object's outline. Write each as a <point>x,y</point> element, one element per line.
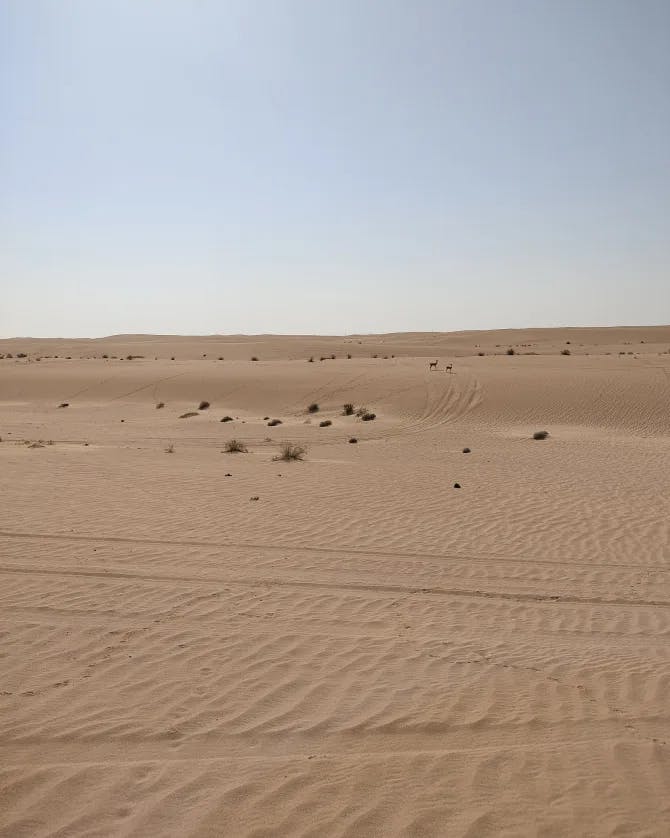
<point>351,168</point>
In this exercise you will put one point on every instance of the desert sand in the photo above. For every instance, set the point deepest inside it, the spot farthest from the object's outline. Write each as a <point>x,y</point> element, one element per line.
<point>364,650</point>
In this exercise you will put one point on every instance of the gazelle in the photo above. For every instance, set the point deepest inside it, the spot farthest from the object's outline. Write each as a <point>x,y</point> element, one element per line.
<point>432,365</point>
<point>448,367</point>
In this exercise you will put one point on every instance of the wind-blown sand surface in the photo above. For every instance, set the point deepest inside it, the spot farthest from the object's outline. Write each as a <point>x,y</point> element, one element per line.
<point>364,650</point>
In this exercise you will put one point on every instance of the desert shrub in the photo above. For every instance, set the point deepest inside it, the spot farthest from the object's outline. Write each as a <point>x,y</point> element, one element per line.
<point>511,351</point>
<point>170,448</point>
<point>254,358</point>
<point>466,450</point>
<point>361,411</point>
<point>160,405</point>
<point>313,408</point>
<point>9,355</point>
<point>64,404</point>
<point>203,405</point>
<point>132,357</point>
<point>227,419</point>
<point>235,446</point>
<point>220,357</point>
<point>274,422</point>
<point>565,352</point>
<point>332,357</point>
<point>348,409</point>
<point>21,355</point>
<point>290,451</point>
<point>349,356</point>
<point>105,356</point>
<point>481,354</point>
<point>322,358</point>
<point>353,440</point>
<point>325,424</point>
<point>310,360</point>
<point>172,358</point>
<point>375,356</point>
<point>189,414</point>
<point>368,417</point>
<point>540,434</point>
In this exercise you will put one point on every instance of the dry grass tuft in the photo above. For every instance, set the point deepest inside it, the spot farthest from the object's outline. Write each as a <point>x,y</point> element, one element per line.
<point>235,446</point>
<point>203,405</point>
<point>188,414</point>
<point>290,451</point>
<point>325,424</point>
<point>540,434</point>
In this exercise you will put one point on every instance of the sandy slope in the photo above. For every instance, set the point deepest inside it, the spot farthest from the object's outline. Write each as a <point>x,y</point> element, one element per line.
<point>364,650</point>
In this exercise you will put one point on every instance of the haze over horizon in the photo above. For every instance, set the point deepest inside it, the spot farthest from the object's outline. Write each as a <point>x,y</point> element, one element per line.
<point>247,168</point>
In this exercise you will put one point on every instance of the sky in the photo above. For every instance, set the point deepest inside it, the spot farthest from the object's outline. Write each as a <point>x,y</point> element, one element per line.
<point>332,167</point>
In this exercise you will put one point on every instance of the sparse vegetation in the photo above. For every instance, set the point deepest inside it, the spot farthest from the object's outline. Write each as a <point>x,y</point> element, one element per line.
<point>203,405</point>
<point>565,351</point>
<point>64,404</point>
<point>310,360</point>
<point>349,356</point>
<point>160,405</point>
<point>313,408</point>
<point>170,448</point>
<point>187,415</point>
<point>511,351</point>
<point>481,354</point>
<point>290,451</point>
<point>235,446</point>
<point>361,411</point>
<point>227,419</point>
<point>353,440</point>
<point>466,450</point>
<point>132,357</point>
<point>368,417</point>
<point>540,434</point>
<point>21,355</point>
<point>254,358</point>
<point>348,409</point>
<point>274,422</point>
<point>325,424</point>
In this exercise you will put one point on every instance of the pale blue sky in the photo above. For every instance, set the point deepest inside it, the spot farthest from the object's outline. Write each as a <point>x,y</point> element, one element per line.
<point>332,167</point>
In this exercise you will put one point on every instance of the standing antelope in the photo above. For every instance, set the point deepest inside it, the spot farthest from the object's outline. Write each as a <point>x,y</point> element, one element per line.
<point>432,365</point>
<point>448,368</point>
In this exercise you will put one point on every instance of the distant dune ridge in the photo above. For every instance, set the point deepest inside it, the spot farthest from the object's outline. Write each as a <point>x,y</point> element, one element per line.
<point>361,650</point>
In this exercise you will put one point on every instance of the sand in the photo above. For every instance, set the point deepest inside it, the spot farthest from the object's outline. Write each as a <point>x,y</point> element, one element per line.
<point>364,650</point>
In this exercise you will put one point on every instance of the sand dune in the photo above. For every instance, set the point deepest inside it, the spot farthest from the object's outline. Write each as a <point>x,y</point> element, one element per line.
<point>364,650</point>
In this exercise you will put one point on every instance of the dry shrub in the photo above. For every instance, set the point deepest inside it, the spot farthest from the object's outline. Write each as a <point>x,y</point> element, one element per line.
<point>540,434</point>
<point>203,405</point>
<point>325,424</point>
<point>188,414</point>
<point>235,446</point>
